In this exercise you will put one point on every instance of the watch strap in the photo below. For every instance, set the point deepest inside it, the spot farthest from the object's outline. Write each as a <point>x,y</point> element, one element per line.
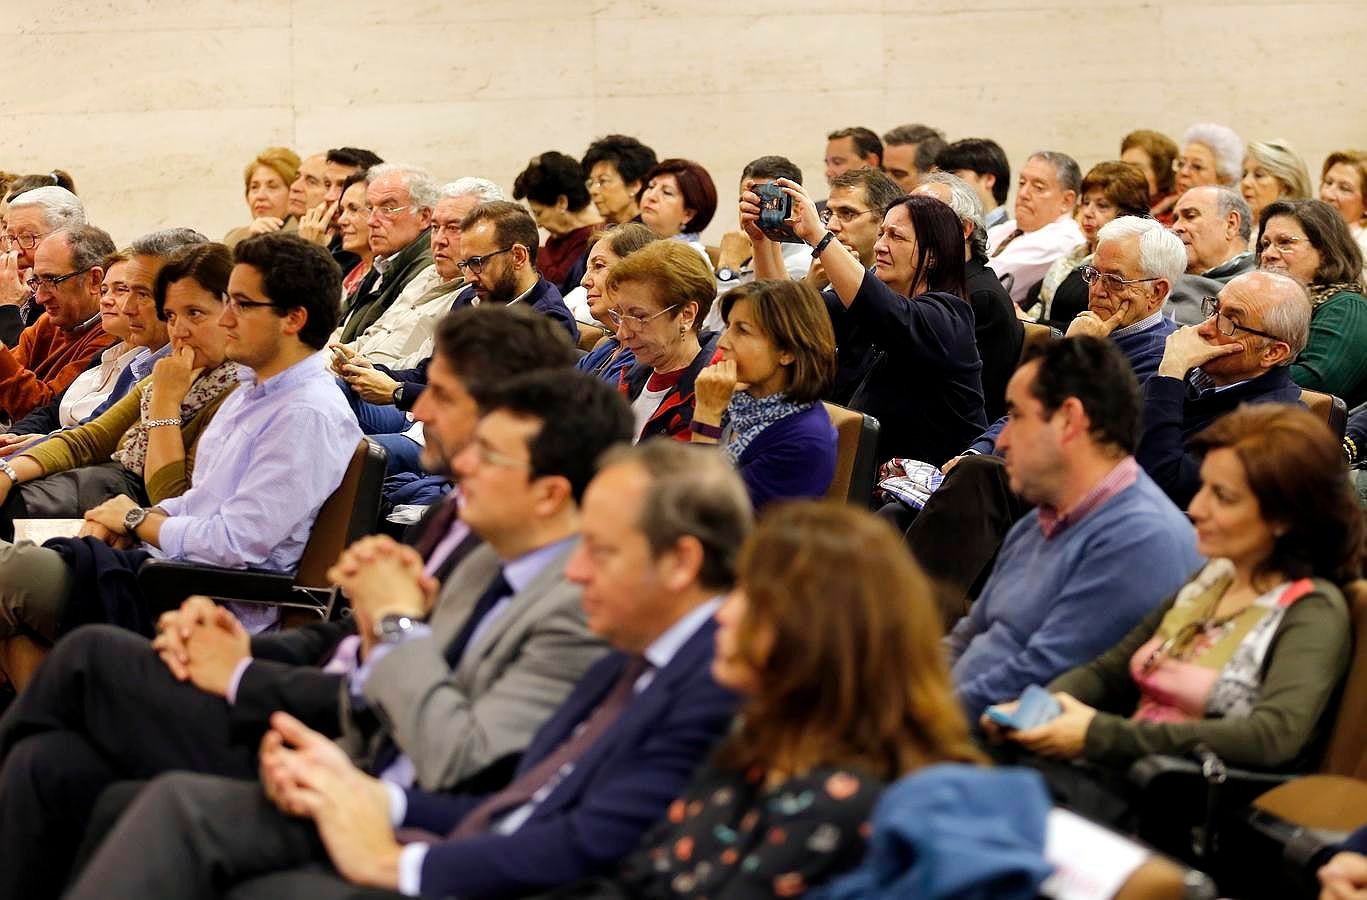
<point>822,244</point>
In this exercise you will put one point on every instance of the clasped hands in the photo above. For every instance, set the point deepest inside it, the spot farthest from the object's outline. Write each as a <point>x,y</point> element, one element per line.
<point>105,522</point>
<point>203,643</point>
<point>382,577</point>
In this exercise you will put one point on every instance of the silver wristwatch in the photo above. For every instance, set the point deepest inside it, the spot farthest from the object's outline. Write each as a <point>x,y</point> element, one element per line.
<point>133,518</point>
<point>392,628</point>
<point>9,470</point>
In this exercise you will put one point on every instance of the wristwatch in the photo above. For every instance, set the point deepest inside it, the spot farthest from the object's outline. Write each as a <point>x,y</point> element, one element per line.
<point>398,394</point>
<point>9,470</point>
<point>394,627</point>
<point>133,518</point>
<point>726,273</point>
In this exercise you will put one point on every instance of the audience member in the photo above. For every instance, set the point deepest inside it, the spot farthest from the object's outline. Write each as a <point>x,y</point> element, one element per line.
<point>1022,249</point>
<point>610,357</point>
<point>1215,225</point>
<point>400,200</point>
<point>658,296</point>
<point>761,399</point>
<point>1272,171</point>
<point>1343,185</point>
<point>909,153</point>
<point>678,201</point>
<point>1156,155</point>
<point>996,328</point>
<point>1211,155</point>
<point>31,216</point>
<point>1110,190</point>
<point>853,213</point>
<point>808,628</point>
<point>1247,657</point>
<point>1241,353</point>
<point>735,261</point>
<point>307,189</point>
<point>1344,876</point>
<point>273,453</point>
<point>904,329</point>
<point>144,445</point>
<point>267,181</point>
<point>18,184</point>
<point>662,525</point>
<point>1308,240</point>
<point>852,148</point>
<point>983,164</point>
<point>1103,546</point>
<point>50,353</point>
<point>553,186</point>
<point>353,236</point>
<point>615,170</point>
<point>319,223</point>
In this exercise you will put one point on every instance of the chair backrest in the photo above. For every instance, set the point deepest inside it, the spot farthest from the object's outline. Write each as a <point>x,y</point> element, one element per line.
<point>1036,333</point>
<point>1347,751</point>
<point>1328,407</point>
<point>352,511</point>
<point>856,460</point>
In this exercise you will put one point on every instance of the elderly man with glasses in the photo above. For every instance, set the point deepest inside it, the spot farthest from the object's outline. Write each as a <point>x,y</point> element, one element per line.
<point>1241,353</point>
<point>59,345</point>
<point>32,216</point>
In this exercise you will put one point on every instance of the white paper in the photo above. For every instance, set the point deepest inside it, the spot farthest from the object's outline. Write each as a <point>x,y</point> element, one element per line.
<point>40,530</point>
<point>1090,862</point>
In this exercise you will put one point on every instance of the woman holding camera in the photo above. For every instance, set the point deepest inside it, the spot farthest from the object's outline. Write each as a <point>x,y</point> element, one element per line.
<point>905,332</point>
<point>1245,658</point>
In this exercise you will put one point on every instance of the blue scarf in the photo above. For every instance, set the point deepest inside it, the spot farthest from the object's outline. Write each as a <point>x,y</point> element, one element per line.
<point>747,416</point>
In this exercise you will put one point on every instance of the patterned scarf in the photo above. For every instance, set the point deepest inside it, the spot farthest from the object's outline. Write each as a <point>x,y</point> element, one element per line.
<point>207,387</point>
<point>1322,292</point>
<point>747,416</point>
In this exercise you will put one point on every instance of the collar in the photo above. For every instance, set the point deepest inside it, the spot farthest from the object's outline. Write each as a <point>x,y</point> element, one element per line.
<point>527,293</point>
<point>1230,265</point>
<point>666,646</point>
<point>142,364</point>
<point>302,371</point>
<point>522,571</point>
<point>1124,474</point>
<point>1143,324</point>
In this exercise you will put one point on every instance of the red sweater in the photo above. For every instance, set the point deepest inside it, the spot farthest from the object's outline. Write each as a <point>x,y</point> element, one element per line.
<point>46,361</point>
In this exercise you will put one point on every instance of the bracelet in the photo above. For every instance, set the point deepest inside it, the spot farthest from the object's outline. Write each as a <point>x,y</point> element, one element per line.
<point>1350,448</point>
<point>157,423</point>
<point>823,244</point>
<point>708,431</point>
<point>9,470</point>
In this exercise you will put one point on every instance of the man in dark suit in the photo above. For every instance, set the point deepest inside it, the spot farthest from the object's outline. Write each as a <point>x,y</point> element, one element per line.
<point>105,707</point>
<point>662,526</point>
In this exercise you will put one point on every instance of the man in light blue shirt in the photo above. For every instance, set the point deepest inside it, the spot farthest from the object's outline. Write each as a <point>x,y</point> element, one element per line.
<point>275,451</point>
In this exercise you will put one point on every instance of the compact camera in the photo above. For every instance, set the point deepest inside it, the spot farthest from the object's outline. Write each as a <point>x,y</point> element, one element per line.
<point>775,207</point>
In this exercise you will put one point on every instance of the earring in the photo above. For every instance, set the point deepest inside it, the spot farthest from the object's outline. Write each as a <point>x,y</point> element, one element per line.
<point>682,330</point>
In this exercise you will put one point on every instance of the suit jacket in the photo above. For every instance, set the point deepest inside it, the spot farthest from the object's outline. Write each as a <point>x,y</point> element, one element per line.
<point>618,789</point>
<point>452,723</point>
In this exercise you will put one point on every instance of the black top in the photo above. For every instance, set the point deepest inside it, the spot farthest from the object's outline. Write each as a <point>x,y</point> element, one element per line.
<point>1070,298</point>
<point>998,332</point>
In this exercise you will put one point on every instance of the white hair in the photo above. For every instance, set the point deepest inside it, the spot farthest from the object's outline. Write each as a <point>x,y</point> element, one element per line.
<point>61,208</point>
<point>422,187</point>
<point>1161,253</point>
<point>965,202</point>
<point>471,186</point>
<point>1225,145</point>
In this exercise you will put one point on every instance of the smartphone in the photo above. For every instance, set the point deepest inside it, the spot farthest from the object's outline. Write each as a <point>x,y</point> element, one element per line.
<point>1036,707</point>
<point>775,208</point>
<point>340,356</point>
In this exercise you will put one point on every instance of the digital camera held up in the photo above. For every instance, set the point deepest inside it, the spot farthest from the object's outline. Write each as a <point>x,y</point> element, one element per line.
<point>775,207</point>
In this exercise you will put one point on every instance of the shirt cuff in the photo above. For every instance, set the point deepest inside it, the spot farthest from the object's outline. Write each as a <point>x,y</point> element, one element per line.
<point>360,675</point>
<point>398,804</point>
<point>171,537</point>
<point>411,858</point>
<point>236,679</point>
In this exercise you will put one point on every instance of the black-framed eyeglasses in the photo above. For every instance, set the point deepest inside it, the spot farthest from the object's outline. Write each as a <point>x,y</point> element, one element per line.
<point>51,281</point>
<point>475,264</point>
<point>1091,275</point>
<point>1210,306</point>
<point>235,305</point>
<point>23,241</point>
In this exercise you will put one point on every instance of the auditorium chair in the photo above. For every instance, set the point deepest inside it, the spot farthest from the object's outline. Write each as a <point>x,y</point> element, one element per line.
<point>351,512</point>
<point>1328,407</point>
<point>1256,827</point>
<point>856,459</point>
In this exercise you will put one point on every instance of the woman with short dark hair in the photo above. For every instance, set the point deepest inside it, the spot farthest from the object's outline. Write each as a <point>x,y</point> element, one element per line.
<point>553,186</point>
<point>678,200</point>
<point>1154,153</point>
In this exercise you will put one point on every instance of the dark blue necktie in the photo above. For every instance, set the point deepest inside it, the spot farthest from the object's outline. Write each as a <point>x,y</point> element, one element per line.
<point>497,590</point>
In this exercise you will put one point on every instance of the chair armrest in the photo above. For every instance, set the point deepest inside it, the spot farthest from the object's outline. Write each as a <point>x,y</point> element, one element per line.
<point>166,583</point>
<point>1179,773</point>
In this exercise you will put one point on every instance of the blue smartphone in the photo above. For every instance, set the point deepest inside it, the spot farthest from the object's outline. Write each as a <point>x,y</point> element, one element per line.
<point>1036,707</point>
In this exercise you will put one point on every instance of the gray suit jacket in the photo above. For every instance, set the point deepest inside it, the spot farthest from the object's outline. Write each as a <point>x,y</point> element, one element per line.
<point>453,723</point>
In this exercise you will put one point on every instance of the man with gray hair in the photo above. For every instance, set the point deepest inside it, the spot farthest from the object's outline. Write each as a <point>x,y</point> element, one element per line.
<point>1214,223</point>
<point>909,153</point>
<point>1241,353</point>
<point>401,199</point>
<point>997,329</point>
<point>1022,249</point>
<point>32,216</point>
<point>65,281</point>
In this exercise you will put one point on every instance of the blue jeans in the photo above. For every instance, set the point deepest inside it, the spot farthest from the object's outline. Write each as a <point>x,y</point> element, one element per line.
<point>404,454</point>
<point>374,418</point>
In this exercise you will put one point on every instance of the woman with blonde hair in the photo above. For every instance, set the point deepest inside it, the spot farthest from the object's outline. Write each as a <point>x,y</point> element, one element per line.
<point>266,181</point>
<point>1343,185</point>
<point>843,691</point>
<point>1272,171</point>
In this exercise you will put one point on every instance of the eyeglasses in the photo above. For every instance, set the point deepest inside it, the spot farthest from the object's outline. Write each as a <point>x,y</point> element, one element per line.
<point>385,212</point>
<point>23,241</point>
<point>1092,275</point>
<point>635,323</point>
<point>51,281</point>
<point>492,457</point>
<point>1285,243</point>
<point>845,217</point>
<point>602,181</point>
<point>475,264</point>
<point>1194,165</point>
<point>235,305</point>
<point>1210,306</point>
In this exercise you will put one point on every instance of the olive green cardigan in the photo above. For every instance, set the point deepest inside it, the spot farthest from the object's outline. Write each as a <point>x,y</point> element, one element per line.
<point>95,442</point>
<point>1301,673</point>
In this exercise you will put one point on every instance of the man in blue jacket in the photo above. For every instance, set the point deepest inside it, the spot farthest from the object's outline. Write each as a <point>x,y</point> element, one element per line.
<point>662,525</point>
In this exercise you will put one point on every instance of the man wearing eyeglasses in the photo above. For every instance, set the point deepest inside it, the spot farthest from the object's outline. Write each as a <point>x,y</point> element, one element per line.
<point>32,216</point>
<point>1214,224</point>
<point>51,352</point>
<point>1241,353</point>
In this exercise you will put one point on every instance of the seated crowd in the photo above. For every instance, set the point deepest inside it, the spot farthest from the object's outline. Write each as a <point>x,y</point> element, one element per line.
<point>605,638</point>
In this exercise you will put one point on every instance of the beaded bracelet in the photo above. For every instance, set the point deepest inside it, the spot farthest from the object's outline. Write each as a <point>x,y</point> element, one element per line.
<point>157,423</point>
